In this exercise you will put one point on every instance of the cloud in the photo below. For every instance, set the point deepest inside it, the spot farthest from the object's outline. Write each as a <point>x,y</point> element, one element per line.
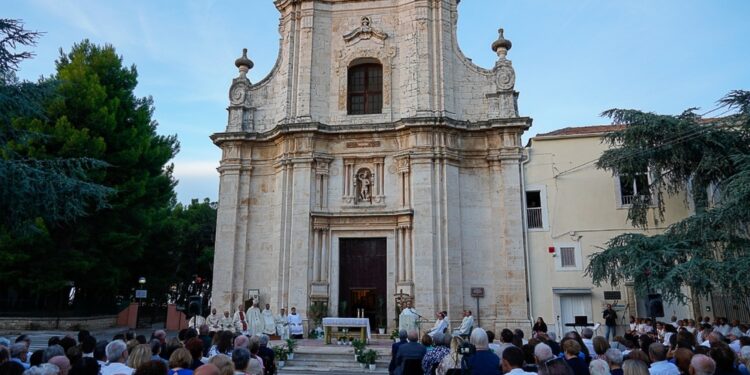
<point>195,168</point>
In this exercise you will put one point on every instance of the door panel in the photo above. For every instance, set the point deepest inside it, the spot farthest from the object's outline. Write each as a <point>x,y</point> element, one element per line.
<point>362,280</point>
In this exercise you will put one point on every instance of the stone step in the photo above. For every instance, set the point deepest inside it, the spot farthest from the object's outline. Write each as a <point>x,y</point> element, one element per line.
<point>333,359</point>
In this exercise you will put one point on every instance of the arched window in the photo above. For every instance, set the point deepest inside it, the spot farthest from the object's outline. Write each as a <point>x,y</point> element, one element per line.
<point>365,89</point>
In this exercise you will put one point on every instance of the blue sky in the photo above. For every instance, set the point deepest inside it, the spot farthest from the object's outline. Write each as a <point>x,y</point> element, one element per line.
<point>573,59</point>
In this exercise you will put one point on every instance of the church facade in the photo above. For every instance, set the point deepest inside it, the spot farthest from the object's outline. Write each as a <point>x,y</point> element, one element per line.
<point>375,159</point>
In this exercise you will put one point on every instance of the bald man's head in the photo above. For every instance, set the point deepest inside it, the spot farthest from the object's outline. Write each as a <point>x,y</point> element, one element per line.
<point>207,369</point>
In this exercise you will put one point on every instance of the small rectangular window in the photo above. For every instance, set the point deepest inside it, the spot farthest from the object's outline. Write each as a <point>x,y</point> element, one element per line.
<point>567,257</point>
<point>534,209</point>
<point>634,189</point>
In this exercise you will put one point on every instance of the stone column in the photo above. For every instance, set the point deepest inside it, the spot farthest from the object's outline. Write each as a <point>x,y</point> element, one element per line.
<point>229,224</point>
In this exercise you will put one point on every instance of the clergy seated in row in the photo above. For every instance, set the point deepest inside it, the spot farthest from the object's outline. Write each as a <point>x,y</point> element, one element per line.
<point>441,324</point>
<point>239,320</point>
<point>226,323</point>
<point>213,321</point>
<point>466,325</point>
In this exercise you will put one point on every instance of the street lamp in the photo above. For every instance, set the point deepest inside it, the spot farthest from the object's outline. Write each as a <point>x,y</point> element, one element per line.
<point>141,281</point>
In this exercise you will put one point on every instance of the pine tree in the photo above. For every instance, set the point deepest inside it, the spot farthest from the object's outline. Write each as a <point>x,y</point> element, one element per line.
<point>708,251</point>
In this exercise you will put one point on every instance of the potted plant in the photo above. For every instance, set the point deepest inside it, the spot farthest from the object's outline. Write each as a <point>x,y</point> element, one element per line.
<point>291,344</point>
<point>281,354</point>
<point>359,348</point>
<point>361,360</point>
<point>394,335</point>
<point>370,356</point>
<point>351,340</point>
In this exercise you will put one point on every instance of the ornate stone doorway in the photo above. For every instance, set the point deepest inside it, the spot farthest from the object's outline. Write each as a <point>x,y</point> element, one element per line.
<point>362,278</point>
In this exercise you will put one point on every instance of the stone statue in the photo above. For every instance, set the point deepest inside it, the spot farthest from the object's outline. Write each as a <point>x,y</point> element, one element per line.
<point>364,179</point>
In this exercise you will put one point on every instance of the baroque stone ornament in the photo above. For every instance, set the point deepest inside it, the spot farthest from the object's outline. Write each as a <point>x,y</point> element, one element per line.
<point>505,75</point>
<point>365,31</point>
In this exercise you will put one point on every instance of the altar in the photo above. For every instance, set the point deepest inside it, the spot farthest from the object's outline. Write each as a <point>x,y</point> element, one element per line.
<point>362,323</point>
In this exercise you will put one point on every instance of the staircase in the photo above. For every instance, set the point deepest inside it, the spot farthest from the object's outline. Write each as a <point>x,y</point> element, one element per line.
<point>332,359</point>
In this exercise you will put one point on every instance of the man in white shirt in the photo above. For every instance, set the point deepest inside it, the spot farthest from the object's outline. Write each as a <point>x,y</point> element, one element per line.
<point>586,335</point>
<point>512,362</point>
<point>466,324</point>
<point>117,354</point>
<point>213,321</point>
<point>659,364</point>
<point>440,325</point>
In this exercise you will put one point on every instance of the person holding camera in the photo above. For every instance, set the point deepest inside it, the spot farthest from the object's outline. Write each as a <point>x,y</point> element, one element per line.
<point>482,361</point>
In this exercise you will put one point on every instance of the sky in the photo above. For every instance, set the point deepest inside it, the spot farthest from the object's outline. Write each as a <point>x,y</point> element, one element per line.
<point>573,59</point>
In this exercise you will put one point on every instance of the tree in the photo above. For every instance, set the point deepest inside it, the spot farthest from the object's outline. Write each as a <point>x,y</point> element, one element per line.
<point>708,251</point>
<point>51,189</point>
<point>95,115</point>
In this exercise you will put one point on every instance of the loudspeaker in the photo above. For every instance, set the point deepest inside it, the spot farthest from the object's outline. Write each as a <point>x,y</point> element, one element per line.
<point>195,305</point>
<point>655,306</point>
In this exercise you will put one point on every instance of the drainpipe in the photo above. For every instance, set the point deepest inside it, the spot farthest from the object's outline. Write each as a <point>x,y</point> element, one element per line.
<point>524,160</point>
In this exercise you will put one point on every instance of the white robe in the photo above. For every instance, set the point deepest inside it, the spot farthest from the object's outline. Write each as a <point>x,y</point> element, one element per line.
<point>213,322</point>
<point>295,324</point>
<point>227,324</point>
<point>237,320</point>
<point>282,327</point>
<point>440,326</point>
<point>407,321</point>
<point>196,322</point>
<point>466,325</point>
<point>254,321</point>
<point>269,325</point>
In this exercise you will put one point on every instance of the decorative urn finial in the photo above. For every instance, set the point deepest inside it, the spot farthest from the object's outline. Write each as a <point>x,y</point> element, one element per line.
<point>243,63</point>
<point>501,46</point>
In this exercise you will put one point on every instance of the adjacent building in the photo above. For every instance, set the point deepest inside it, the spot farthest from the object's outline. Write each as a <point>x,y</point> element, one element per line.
<point>572,210</point>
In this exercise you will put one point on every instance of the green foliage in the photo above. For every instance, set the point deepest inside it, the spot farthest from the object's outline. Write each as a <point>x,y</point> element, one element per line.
<point>359,346</point>
<point>12,34</point>
<point>280,353</point>
<point>317,311</point>
<point>291,344</point>
<point>370,356</point>
<point>709,250</point>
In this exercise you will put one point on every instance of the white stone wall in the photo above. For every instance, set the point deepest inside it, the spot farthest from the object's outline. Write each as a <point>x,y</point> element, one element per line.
<point>444,154</point>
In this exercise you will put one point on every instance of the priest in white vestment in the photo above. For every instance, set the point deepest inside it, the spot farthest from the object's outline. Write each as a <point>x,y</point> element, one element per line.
<point>196,322</point>
<point>254,320</point>
<point>407,320</point>
<point>212,320</point>
<point>240,320</point>
<point>269,324</point>
<point>282,325</point>
<point>226,322</point>
<point>466,324</point>
<point>440,325</point>
<point>295,324</point>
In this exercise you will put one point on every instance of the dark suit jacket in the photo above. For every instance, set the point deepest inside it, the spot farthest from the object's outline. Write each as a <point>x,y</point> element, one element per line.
<point>409,350</point>
<point>394,352</point>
